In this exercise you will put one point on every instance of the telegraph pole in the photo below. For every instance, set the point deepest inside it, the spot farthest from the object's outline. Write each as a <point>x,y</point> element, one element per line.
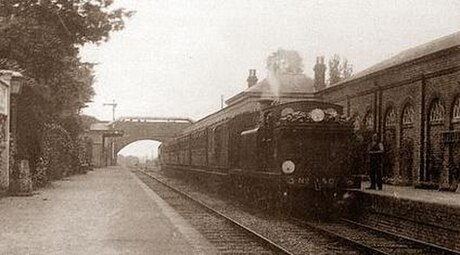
<point>112,156</point>
<point>113,105</point>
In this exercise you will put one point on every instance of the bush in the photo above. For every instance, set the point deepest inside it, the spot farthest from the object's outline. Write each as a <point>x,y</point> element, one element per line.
<point>58,151</point>
<point>60,156</point>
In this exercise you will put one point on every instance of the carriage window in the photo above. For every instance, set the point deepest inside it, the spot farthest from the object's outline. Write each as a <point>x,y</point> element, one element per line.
<point>408,115</point>
<point>436,112</point>
<point>456,110</point>
<point>390,118</point>
<point>218,139</point>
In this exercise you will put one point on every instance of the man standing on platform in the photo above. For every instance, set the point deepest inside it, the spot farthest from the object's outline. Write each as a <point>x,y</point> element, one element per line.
<point>375,159</point>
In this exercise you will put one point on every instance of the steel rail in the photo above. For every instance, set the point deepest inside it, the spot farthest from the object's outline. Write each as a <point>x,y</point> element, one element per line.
<point>442,249</point>
<point>369,248</point>
<point>361,246</point>
<point>264,241</point>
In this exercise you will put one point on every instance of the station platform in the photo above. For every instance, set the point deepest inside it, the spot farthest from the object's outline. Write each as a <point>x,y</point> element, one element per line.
<point>107,211</point>
<point>427,215</point>
<point>444,198</point>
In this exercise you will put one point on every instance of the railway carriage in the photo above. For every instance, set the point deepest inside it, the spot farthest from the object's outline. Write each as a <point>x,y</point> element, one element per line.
<point>294,154</point>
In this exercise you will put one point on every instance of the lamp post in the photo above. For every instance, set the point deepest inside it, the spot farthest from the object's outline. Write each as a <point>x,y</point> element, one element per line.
<point>16,85</point>
<point>20,172</point>
<point>15,90</point>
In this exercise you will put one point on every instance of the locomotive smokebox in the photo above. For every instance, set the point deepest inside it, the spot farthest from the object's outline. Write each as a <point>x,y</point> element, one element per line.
<point>264,103</point>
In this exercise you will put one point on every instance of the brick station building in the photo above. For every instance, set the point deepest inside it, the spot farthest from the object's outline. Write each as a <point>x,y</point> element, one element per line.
<point>413,101</point>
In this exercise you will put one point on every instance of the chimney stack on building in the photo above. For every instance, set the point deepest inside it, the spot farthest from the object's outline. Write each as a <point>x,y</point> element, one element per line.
<point>252,78</point>
<point>320,74</point>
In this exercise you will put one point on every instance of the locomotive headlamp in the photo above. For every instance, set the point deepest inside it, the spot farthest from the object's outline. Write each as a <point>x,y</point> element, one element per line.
<point>288,167</point>
<point>317,115</point>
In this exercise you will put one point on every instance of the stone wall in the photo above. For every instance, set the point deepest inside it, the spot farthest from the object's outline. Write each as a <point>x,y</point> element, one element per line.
<point>428,222</point>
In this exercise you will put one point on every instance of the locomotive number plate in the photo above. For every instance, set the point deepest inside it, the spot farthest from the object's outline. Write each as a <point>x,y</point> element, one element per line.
<point>323,182</point>
<point>303,180</point>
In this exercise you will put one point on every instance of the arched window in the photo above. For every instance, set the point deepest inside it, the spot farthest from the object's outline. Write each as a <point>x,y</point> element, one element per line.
<point>456,110</point>
<point>357,122</point>
<point>390,118</point>
<point>408,115</point>
<point>436,112</point>
<point>369,121</point>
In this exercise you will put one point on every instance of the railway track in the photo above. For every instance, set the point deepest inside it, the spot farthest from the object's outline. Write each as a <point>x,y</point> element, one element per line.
<point>342,237</point>
<point>226,234</point>
<point>375,241</point>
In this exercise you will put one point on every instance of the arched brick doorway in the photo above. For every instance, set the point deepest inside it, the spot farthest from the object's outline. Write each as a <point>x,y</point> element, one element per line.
<point>406,151</point>
<point>389,141</point>
<point>368,127</point>
<point>434,146</point>
<point>454,157</point>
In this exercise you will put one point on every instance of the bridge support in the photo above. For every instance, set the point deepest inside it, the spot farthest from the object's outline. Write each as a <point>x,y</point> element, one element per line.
<point>103,138</point>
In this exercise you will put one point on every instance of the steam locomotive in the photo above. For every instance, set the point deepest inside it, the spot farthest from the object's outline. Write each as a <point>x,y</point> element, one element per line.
<point>288,155</point>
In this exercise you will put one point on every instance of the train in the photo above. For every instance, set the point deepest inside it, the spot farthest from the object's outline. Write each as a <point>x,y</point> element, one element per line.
<point>281,156</point>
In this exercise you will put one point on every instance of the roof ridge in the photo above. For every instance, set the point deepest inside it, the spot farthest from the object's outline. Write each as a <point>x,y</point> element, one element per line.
<point>410,54</point>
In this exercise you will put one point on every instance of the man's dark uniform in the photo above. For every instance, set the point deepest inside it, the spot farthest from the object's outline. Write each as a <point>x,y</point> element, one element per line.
<point>375,158</point>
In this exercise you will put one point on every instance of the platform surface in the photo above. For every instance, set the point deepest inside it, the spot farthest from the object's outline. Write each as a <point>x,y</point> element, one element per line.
<point>107,211</point>
<point>411,193</point>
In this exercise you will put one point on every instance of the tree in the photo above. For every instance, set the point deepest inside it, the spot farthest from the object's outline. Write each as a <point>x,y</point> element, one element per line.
<point>285,62</point>
<point>41,39</point>
<point>279,63</point>
<point>339,69</point>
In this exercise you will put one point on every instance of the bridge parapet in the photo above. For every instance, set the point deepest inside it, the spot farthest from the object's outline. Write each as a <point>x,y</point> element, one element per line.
<point>154,119</point>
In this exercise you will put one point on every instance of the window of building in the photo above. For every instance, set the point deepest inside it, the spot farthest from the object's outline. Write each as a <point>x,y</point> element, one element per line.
<point>369,121</point>
<point>390,118</point>
<point>408,115</point>
<point>357,123</point>
<point>456,110</point>
<point>436,112</point>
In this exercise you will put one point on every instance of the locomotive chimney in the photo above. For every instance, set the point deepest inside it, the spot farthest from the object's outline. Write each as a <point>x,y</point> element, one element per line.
<point>252,78</point>
<point>320,74</point>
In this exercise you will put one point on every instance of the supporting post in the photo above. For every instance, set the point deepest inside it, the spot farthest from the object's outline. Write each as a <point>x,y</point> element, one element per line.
<point>423,140</point>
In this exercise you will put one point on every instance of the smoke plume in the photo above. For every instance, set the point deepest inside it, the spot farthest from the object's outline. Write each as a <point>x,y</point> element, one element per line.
<point>282,62</point>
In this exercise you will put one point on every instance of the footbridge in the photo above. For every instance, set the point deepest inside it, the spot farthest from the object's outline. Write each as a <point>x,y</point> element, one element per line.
<point>147,128</point>
<point>108,138</point>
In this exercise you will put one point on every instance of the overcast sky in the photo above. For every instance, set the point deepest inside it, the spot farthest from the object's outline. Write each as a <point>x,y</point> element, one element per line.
<point>176,57</point>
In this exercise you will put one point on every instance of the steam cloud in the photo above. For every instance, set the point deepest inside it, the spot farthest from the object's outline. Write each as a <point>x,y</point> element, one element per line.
<point>279,63</point>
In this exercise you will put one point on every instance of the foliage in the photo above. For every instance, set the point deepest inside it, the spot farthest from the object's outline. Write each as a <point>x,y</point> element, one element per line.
<point>39,174</point>
<point>285,62</point>
<point>58,149</point>
<point>300,117</point>
<point>87,120</point>
<point>41,39</point>
<point>339,69</point>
